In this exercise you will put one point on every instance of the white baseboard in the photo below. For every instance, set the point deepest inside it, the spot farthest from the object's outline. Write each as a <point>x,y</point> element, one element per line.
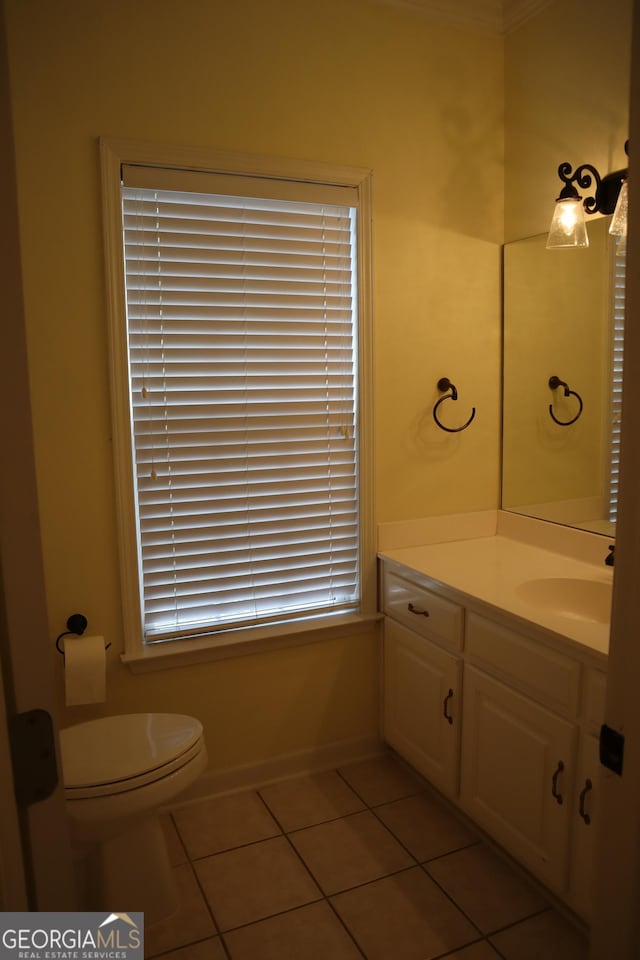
<point>250,776</point>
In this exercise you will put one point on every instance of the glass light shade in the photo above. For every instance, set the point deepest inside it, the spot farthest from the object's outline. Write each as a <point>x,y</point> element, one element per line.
<point>618,226</point>
<point>567,226</point>
<point>621,246</point>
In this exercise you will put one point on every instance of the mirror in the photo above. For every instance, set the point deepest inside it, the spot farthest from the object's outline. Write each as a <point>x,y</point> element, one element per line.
<point>563,314</point>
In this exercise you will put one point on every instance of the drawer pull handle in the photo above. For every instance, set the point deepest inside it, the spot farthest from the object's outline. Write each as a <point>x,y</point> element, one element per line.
<point>448,718</point>
<point>419,612</point>
<point>583,796</point>
<point>554,782</point>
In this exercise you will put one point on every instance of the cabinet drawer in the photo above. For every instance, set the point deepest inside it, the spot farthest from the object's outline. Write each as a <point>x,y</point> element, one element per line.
<point>542,673</point>
<point>424,612</point>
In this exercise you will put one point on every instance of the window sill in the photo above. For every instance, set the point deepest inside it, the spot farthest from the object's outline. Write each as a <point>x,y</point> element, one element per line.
<point>242,643</point>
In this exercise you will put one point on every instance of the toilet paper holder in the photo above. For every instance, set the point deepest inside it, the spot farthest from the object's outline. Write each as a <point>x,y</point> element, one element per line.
<point>76,626</point>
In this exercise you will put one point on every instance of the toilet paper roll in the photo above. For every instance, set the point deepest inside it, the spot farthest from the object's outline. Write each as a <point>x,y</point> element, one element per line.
<point>85,670</point>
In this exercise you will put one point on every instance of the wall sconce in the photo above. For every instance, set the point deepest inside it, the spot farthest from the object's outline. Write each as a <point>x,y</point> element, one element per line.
<point>618,226</point>
<point>568,228</point>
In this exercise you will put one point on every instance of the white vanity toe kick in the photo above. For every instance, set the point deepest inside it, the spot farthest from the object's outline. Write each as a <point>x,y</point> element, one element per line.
<point>503,573</point>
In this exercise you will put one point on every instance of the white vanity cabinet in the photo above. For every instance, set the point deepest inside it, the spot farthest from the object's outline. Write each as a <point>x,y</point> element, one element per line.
<point>501,718</point>
<point>584,816</point>
<point>519,744</point>
<point>518,766</point>
<point>422,680</point>
<point>586,797</point>
<point>421,705</point>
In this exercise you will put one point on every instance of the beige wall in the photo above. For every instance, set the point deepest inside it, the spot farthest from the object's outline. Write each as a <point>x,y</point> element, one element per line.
<point>566,99</point>
<point>347,82</point>
<point>37,832</point>
<point>343,81</point>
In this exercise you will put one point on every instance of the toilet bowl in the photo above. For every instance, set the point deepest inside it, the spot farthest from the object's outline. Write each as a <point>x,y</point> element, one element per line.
<point>118,771</point>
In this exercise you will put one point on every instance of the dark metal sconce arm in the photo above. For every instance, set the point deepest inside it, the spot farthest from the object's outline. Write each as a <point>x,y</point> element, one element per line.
<point>445,384</point>
<point>584,175</point>
<point>607,188</point>
<point>554,383</point>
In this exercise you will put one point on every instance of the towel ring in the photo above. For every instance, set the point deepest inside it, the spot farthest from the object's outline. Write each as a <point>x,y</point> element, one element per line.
<point>554,383</point>
<point>445,384</point>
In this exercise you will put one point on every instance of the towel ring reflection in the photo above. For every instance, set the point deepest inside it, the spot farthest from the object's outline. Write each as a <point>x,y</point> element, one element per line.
<point>445,384</point>
<point>554,383</point>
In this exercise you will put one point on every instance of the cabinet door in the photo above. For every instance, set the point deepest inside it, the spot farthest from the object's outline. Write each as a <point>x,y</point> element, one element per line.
<point>517,774</point>
<point>421,705</point>
<point>584,816</point>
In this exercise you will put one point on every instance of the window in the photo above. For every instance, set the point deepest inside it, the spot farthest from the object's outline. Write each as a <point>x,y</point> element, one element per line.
<point>616,366</point>
<point>238,366</point>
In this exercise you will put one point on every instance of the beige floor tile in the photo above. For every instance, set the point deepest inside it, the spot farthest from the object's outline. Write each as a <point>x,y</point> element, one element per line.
<point>545,937</point>
<point>221,823</point>
<point>380,780</point>
<point>310,933</point>
<point>255,882</point>
<point>350,851</point>
<point>425,826</point>
<point>477,951</point>
<point>306,801</point>
<point>175,848</point>
<point>486,887</point>
<point>205,950</point>
<point>404,917</point>
<point>192,921</point>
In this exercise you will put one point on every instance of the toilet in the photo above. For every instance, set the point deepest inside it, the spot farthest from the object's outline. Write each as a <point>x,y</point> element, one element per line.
<point>118,771</point>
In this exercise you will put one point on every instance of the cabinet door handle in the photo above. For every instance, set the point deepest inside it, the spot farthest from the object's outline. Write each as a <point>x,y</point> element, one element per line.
<point>583,796</point>
<point>419,612</point>
<point>554,782</point>
<point>448,718</point>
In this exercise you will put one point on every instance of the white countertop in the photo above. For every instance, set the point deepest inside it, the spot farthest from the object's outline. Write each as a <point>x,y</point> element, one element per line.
<point>493,569</point>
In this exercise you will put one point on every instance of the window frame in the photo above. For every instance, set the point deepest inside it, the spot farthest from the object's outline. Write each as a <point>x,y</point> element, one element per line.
<point>140,656</point>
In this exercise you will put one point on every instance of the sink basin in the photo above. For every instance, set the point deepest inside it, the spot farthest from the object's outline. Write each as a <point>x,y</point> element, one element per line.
<point>569,597</point>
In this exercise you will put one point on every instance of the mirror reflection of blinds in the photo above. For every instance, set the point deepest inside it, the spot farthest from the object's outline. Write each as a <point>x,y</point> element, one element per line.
<point>241,314</point>
<point>615,381</point>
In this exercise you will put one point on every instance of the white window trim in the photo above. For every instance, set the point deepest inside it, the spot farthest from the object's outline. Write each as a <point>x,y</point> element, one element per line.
<point>141,657</point>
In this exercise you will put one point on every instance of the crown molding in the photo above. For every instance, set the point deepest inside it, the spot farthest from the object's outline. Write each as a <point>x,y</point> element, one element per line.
<point>490,16</point>
<point>517,12</point>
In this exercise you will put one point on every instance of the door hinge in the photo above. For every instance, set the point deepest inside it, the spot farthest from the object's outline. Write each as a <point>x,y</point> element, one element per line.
<point>611,749</point>
<point>35,771</point>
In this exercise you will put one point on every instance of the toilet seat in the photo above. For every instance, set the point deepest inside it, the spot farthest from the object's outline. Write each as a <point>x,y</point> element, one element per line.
<point>115,755</point>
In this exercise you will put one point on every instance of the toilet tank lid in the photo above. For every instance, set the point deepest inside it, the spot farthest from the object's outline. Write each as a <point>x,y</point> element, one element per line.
<point>113,749</point>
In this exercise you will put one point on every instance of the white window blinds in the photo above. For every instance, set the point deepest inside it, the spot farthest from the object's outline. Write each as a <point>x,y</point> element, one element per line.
<point>616,365</point>
<point>241,317</point>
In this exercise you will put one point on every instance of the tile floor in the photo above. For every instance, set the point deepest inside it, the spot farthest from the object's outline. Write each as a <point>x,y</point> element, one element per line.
<point>357,862</point>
